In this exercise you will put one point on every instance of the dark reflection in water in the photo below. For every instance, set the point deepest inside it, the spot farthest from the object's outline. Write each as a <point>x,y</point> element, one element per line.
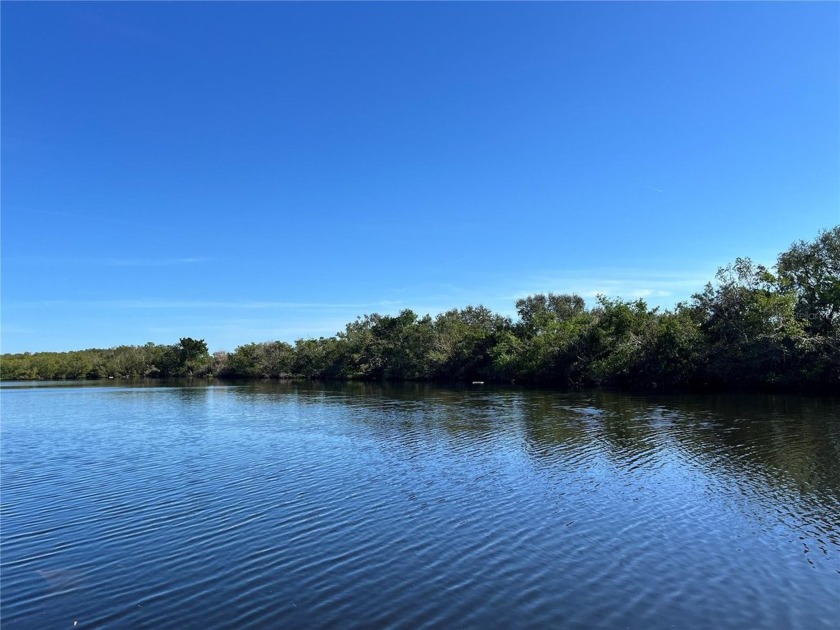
<point>303,505</point>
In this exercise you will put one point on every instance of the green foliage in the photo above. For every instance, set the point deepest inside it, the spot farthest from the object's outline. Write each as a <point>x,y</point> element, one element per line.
<point>189,358</point>
<point>811,273</point>
<point>463,342</point>
<point>257,360</point>
<point>672,356</point>
<point>316,358</point>
<point>551,332</point>
<point>618,342</point>
<point>750,327</point>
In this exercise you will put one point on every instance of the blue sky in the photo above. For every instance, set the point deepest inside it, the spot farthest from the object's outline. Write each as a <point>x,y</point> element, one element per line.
<point>254,171</point>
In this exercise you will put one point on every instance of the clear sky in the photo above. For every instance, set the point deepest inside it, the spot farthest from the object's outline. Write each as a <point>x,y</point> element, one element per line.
<point>245,172</point>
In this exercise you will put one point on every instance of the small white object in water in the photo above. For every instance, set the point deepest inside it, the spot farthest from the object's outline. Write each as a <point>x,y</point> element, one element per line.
<point>478,382</point>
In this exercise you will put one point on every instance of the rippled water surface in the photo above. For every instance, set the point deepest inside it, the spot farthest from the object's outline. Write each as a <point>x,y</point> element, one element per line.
<point>282,505</point>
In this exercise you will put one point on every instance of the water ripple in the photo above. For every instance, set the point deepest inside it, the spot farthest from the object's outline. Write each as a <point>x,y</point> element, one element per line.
<point>370,506</point>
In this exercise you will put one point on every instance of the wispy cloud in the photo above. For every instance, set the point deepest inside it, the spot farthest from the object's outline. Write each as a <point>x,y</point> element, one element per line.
<point>659,287</point>
<point>496,292</point>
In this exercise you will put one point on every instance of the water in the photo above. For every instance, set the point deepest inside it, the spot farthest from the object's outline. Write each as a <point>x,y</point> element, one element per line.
<point>281,505</point>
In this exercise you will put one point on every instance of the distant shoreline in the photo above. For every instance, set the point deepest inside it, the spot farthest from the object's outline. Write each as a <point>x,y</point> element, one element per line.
<point>752,328</point>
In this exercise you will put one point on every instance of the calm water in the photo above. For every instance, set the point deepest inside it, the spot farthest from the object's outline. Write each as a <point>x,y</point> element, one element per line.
<point>276,505</point>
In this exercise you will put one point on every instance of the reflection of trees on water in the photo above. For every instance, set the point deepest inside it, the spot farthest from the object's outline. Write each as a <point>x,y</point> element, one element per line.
<point>790,439</point>
<point>617,426</point>
<point>777,452</point>
<point>787,439</point>
<point>774,447</point>
<point>411,415</point>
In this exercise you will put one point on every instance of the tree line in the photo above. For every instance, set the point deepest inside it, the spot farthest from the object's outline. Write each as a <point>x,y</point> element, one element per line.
<point>189,357</point>
<point>752,326</point>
